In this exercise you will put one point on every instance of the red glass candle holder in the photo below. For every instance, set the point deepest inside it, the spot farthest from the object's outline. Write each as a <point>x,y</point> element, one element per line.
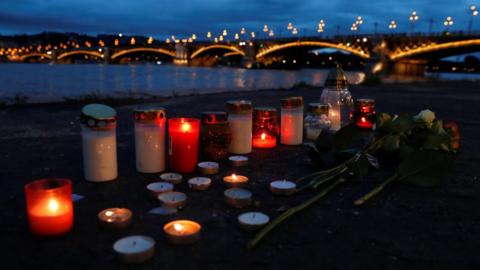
<point>49,206</point>
<point>184,136</point>
<point>265,127</point>
<point>364,114</point>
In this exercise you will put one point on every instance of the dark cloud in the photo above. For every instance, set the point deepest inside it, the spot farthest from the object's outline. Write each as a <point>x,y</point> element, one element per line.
<point>183,17</point>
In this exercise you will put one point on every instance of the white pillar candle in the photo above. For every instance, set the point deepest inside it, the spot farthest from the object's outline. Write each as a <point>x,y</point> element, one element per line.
<point>150,140</point>
<point>135,249</point>
<point>240,119</point>
<point>291,122</point>
<point>99,143</point>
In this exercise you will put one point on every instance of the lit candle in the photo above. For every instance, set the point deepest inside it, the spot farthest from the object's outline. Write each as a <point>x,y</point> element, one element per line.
<point>150,127</point>
<point>173,199</point>
<point>283,187</point>
<point>237,197</point>
<point>265,128</point>
<point>235,180</point>
<point>173,178</point>
<point>335,115</point>
<point>158,188</point>
<point>291,121</point>
<point>182,232</point>
<point>238,161</point>
<point>364,115</point>
<point>134,249</point>
<point>208,167</point>
<point>252,221</point>
<point>183,144</point>
<point>115,218</point>
<point>240,119</point>
<point>49,206</point>
<point>199,183</point>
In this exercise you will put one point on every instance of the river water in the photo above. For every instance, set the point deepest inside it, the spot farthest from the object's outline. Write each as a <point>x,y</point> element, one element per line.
<point>49,82</point>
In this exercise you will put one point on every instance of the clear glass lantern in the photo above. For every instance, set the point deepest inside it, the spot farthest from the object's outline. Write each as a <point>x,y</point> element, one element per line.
<point>316,120</point>
<point>339,99</point>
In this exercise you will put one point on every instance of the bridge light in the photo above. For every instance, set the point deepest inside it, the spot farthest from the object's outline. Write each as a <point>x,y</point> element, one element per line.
<point>265,28</point>
<point>99,49</point>
<point>294,31</point>
<point>365,39</point>
<point>220,38</point>
<point>271,34</point>
<point>236,36</point>
<point>132,41</point>
<point>167,40</point>
<point>252,34</point>
<point>209,34</point>
<point>243,31</point>
<point>290,26</point>
<point>49,52</point>
<point>194,37</point>
<point>215,40</point>
<point>224,32</point>
<point>120,34</point>
<point>150,40</point>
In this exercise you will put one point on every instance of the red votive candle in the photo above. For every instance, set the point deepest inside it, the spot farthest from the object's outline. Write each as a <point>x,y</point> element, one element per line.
<point>183,144</point>
<point>265,127</point>
<point>49,206</point>
<point>364,115</point>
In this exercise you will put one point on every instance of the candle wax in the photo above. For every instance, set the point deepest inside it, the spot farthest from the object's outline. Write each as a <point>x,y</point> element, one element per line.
<point>264,141</point>
<point>183,144</point>
<point>51,217</point>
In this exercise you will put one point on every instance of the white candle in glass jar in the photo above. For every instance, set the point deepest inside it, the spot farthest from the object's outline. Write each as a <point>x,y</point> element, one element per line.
<point>240,119</point>
<point>99,143</point>
<point>291,121</point>
<point>150,140</point>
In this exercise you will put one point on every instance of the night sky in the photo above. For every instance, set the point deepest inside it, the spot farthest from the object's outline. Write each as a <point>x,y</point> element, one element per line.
<point>161,18</point>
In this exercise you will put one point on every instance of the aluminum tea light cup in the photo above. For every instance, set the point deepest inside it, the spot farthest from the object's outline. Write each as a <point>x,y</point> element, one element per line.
<point>174,178</point>
<point>283,187</point>
<point>182,232</point>
<point>208,167</point>
<point>235,180</point>
<point>199,183</point>
<point>158,188</point>
<point>238,161</point>
<point>115,218</point>
<point>252,221</point>
<point>134,249</point>
<point>173,199</point>
<point>237,197</point>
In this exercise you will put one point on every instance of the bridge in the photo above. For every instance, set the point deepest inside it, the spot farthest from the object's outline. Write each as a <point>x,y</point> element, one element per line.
<point>399,53</point>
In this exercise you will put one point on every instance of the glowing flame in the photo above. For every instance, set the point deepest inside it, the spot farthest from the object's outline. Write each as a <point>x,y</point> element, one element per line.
<point>178,227</point>
<point>53,205</point>
<point>109,213</point>
<point>263,136</point>
<point>186,126</point>
<point>234,176</point>
<point>332,113</point>
<point>363,119</point>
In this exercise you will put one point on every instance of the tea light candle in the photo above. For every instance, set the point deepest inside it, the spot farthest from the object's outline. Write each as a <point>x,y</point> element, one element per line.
<point>235,181</point>
<point>184,134</point>
<point>173,199</point>
<point>173,178</point>
<point>252,221</point>
<point>157,188</point>
<point>238,197</point>
<point>238,161</point>
<point>182,232</point>
<point>49,206</point>
<point>208,167</point>
<point>115,218</point>
<point>283,187</point>
<point>199,183</point>
<point>134,249</point>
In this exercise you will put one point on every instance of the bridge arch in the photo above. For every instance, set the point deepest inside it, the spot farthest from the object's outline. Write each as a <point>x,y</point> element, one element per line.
<point>233,49</point>
<point>433,47</point>
<point>133,50</point>
<point>80,52</point>
<point>26,56</point>
<point>356,51</point>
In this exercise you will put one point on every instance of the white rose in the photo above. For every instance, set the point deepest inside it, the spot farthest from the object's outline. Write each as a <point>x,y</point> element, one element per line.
<point>425,116</point>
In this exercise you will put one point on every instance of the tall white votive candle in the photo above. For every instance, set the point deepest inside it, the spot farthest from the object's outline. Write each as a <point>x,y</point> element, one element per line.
<point>240,119</point>
<point>99,143</point>
<point>291,123</point>
<point>150,139</point>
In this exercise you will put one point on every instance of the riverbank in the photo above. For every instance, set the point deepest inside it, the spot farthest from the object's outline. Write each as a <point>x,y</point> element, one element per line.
<point>404,227</point>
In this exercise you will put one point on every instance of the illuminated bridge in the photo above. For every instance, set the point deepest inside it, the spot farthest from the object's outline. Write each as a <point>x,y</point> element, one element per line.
<point>401,53</point>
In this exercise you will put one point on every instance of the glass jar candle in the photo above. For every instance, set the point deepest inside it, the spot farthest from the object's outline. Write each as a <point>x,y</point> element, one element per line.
<point>150,124</point>
<point>265,127</point>
<point>240,119</point>
<point>215,135</point>
<point>338,97</point>
<point>49,206</point>
<point>316,120</point>
<point>364,114</point>
<point>99,142</point>
<point>291,122</point>
<point>184,136</point>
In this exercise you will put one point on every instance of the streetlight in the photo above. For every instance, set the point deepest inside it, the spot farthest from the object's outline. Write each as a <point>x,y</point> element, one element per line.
<point>290,26</point>
<point>413,19</point>
<point>209,34</point>
<point>220,38</point>
<point>236,36</point>
<point>252,34</point>
<point>354,27</point>
<point>271,34</point>
<point>294,31</point>
<point>359,20</point>
<point>265,28</point>
<point>473,12</point>
<point>224,32</point>
<point>321,26</point>
<point>448,22</point>
<point>242,31</point>
<point>392,26</point>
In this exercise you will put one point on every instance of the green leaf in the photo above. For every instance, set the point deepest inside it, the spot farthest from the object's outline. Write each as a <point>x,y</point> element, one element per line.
<point>392,142</point>
<point>403,123</point>
<point>345,136</point>
<point>360,166</point>
<point>383,122</point>
<point>425,168</point>
<point>324,142</point>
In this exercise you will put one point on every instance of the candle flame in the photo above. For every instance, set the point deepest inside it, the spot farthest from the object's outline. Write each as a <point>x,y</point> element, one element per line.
<point>234,176</point>
<point>52,205</point>
<point>109,213</point>
<point>178,227</point>
<point>363,119</point>
<point>186,127</point>
<point>332,113</point>
<point>263,136</point>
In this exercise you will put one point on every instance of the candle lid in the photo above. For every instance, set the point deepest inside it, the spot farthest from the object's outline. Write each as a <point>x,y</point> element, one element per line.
<point>98,115</point>
<point>365,102</point>
<point>239,106</point>
<point>214,117</point>
<point>143,115</point>
<point>265,112</point>
<point>318,108</point>
<point>291,102</point>
<point>336,78</point>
